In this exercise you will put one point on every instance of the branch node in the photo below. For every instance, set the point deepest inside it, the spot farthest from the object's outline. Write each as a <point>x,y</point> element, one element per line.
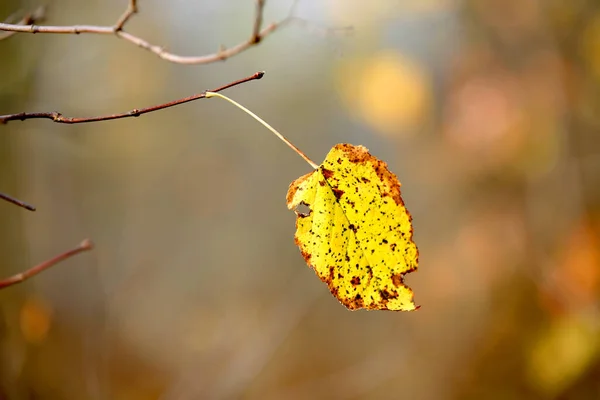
<point>257,35</point>
<point>222,53</point>
<point>86,244</point>
<point>23,276</point>
<point>28,19</point>
<point>131,9</point>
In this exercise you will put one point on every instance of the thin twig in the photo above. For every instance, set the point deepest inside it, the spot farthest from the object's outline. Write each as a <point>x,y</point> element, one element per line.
<point>256,36</point>
<point>131,9</point>
<point>17,202</point>
<point>258,20</point>
<point>23,276</point>
<point>28,19</point>
<point>59,118</point>
<point>321,29</point>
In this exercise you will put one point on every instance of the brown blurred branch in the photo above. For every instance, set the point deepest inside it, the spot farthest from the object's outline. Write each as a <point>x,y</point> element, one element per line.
<point>58,117</point>
<point>257,35</point>
<point>16,201</point>
<point>131,9</point>
<point>258,20</point>
<point>23,276</point>
<point>28,19</point>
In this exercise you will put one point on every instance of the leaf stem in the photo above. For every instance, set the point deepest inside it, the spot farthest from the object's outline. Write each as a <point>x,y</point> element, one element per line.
<point>266,125</point>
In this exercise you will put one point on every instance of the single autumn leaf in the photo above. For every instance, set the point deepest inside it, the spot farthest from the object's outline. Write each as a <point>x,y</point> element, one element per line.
<point>357,234</point>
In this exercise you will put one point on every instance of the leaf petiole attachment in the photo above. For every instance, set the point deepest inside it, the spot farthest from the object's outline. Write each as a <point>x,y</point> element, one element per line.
<point>266,125</point>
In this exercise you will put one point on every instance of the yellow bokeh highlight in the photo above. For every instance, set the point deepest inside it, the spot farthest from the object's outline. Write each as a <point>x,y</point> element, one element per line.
<point>389,91</point>
<point>563,353</point>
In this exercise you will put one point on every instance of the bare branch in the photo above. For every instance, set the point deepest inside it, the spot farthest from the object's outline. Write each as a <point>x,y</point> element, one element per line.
<point>17,202</point>
<point>321,29</point>
<point>131,9</point>
<point>28,19</point>
<point>258,20</point>
<point>23,276</point>
<point>59,118</point>
<point>257,35</point>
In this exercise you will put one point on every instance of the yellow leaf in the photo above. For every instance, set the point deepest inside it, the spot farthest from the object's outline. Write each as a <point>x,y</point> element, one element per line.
<point>357,235</point>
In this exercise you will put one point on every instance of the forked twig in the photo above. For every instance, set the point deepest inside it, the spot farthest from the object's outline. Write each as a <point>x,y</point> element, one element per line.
<point>131,9</point>
<point>59,118</point>
<point>23,276</point>
<point>257,35</point>
<point>28,19</point>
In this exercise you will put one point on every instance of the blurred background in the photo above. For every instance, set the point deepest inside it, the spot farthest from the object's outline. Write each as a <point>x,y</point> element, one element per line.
<point>487,110</point>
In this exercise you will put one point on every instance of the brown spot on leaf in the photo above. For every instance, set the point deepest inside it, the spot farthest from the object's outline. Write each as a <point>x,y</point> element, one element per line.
<point>307,256</point>
<point>355,281</point>
<point>337,192</point>
<point>354,303</point>
<point>333,290</point>
<point>397,280</point>
<point>357,302</point>
<point>365,180</point>
<point>322,183</point>
<point>387,295</point>
<point>327,173</point>
<point>393,246</point>
<point>294,188</point>
<point>352,228</point>
<point>361,155</point>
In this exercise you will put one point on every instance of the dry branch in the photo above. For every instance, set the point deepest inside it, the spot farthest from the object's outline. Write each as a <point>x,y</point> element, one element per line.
<point>23,276</point>
<point>28,19</point>
<point>17,202</point>
<point>257,35</point>
<point>58,117</point>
